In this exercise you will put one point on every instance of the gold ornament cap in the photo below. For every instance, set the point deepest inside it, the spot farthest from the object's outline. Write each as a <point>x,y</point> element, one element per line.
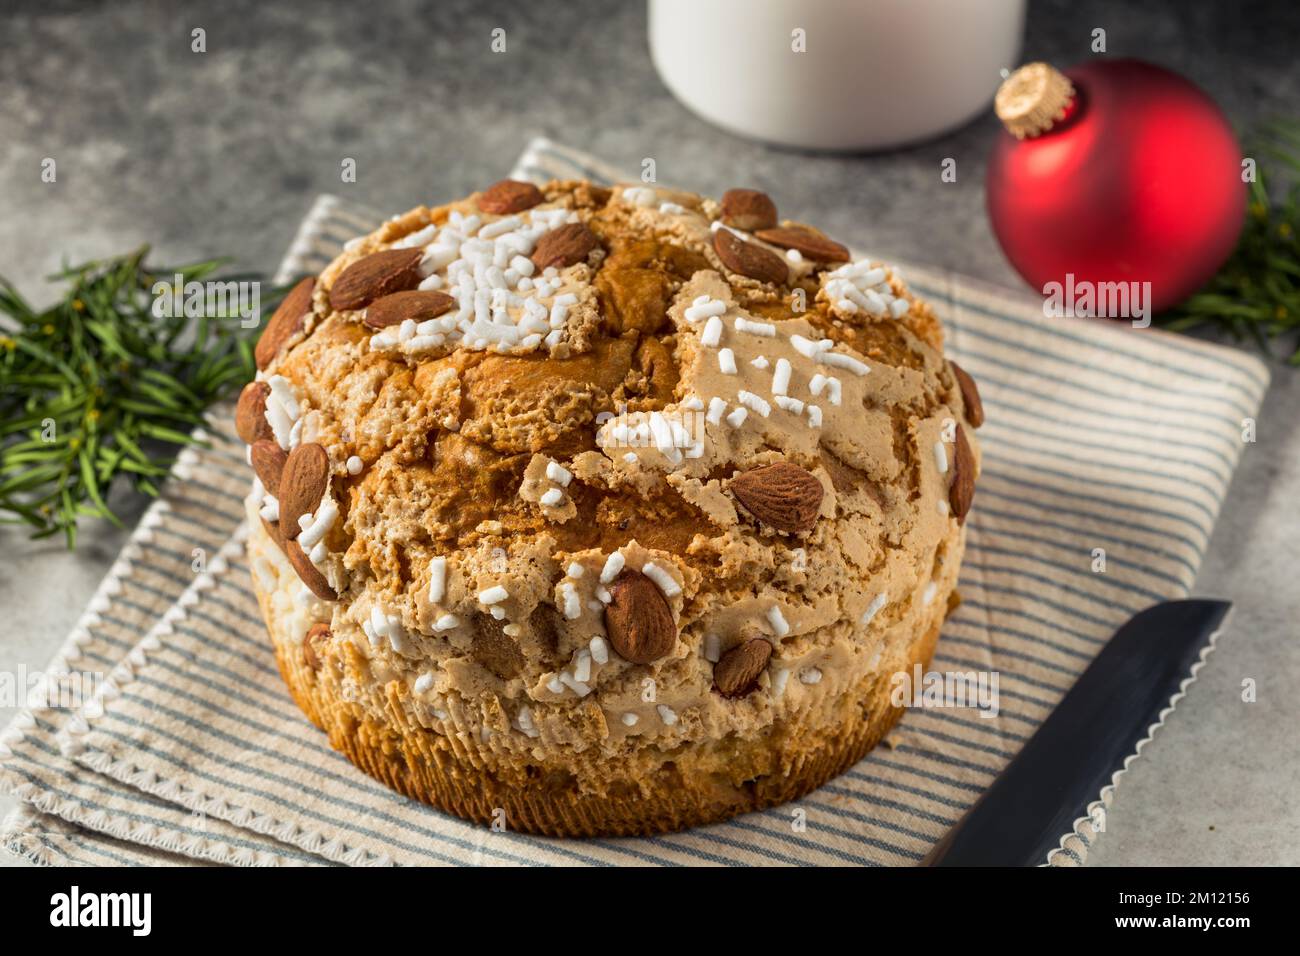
<point>1032,98</point>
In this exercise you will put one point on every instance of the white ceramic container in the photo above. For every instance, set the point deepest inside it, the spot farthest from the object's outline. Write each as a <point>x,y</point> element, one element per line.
<point>874,73</point>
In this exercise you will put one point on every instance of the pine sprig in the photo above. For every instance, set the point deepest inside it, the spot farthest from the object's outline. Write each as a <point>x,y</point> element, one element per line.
<point>98,387</point>
<point>1256,295</point>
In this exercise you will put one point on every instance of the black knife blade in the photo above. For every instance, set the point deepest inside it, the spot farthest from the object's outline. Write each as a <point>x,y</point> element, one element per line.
<point>1076,751</point>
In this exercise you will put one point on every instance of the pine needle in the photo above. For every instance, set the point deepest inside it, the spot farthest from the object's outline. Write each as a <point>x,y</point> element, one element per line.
<point>98,387</point>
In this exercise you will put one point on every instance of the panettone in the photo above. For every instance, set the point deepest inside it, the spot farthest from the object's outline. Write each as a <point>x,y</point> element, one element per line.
<point>586,511</point>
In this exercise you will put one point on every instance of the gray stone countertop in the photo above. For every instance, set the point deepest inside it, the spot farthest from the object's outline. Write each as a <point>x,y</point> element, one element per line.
<point>222,152</point>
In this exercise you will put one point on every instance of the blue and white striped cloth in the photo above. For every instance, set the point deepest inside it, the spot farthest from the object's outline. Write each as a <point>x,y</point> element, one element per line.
<point>1097,437</point>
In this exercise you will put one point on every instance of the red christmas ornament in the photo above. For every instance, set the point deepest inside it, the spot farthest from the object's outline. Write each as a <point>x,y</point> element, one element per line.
<point>1117,171</point>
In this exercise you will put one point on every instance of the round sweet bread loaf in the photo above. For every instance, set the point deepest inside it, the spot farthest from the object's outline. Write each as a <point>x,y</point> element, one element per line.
<point>613,511</point>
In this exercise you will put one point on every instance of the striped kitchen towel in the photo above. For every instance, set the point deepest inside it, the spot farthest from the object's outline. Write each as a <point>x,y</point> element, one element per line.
<point>1097,437</point>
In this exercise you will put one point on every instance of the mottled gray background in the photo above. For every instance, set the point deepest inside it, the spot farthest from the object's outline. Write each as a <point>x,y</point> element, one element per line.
<point>222,153</point>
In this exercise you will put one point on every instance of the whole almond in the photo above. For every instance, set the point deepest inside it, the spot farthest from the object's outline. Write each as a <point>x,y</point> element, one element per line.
<point>811,245</point>
<point>375,276</point>
<point>317,633</point>
<point>250,413</point>
<point>737,671</point>
<point>289,319</point>
<point>782,496</point>
<point>303,483</point>
<point>962,489</point>
<point>397,308</point>
<point>308,573</point>
<point>273,532</point>
<point>970,396</point>
<point>749,259</point>
<point>564,246</point>
<point>748,209</point>
<point>268,460</point>
<point>509,195</point>
<point>638,619</point>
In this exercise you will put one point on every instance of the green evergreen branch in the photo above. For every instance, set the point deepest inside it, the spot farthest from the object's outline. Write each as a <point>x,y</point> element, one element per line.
<point>97,387</point>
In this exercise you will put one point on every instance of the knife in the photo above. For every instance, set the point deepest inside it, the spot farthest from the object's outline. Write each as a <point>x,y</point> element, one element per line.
<point>1063,767</point>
